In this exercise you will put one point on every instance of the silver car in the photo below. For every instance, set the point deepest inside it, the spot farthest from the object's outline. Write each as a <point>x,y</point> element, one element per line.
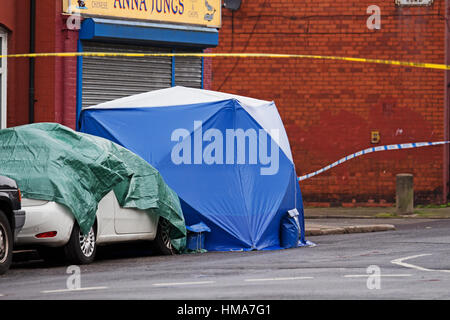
<point>51,228</point>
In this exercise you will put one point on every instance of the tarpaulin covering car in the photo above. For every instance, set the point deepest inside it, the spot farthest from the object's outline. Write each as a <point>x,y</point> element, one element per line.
<point>55,163</point>
<point>226,156</point>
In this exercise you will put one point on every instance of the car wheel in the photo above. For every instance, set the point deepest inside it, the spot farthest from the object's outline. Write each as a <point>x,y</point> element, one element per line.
<point>81,248</point>
<point>6,242</point>
<point>162,242</point>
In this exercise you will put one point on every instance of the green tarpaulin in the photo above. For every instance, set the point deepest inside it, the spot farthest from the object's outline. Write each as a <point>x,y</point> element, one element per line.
<point>52,162</point>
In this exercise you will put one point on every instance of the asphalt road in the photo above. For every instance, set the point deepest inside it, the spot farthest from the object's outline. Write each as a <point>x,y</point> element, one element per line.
<point>412,262</point>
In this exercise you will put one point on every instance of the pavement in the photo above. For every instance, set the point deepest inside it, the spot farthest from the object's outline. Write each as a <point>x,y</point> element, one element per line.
<point>340,220</point>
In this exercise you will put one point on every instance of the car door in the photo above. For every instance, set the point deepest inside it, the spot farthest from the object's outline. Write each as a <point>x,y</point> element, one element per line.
<point>133,221</point>
<point>106,215</point>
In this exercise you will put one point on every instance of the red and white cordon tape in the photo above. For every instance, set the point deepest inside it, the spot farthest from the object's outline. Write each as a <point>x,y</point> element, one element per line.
<point>370,150</point>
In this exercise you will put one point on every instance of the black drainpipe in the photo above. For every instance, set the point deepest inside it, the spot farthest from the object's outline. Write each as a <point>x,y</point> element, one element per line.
<point>32,62</point>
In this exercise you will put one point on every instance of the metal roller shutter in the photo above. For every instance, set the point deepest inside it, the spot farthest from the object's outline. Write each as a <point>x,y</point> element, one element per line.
<point>188,70</point>
<point>109,78</point>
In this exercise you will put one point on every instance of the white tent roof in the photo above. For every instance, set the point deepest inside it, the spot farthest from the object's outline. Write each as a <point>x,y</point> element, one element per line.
<point>264,112</point>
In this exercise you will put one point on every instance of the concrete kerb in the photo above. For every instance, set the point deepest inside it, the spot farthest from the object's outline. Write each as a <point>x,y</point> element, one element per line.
<point>319,230</point>
<point>343,220</point>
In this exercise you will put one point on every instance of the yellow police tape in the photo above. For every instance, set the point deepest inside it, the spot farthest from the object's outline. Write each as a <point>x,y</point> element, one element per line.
<point>230,55</point>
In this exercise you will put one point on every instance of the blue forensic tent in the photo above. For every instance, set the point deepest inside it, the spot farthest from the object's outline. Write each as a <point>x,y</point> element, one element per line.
<point>226,156</point>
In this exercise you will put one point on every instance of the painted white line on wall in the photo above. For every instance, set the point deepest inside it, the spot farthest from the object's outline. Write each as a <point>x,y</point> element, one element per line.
<point>278,279</point>
<point>400,262</point>
<point>74,290</point>
<point>182,283</point>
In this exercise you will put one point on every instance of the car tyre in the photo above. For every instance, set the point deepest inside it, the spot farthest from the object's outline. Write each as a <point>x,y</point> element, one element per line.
<point>6,243</point>
<point>81,248</point>
<point>162,242</point>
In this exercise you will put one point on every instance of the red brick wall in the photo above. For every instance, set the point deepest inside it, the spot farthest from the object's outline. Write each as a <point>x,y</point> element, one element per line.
<point>45,67</point>
<point>55,76</point>
<point>14,17</point>
<point>329,108</point>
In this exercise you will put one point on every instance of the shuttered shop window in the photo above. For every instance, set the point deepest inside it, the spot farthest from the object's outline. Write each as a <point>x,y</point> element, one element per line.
<point>109,78</point>
<point>188,70</point>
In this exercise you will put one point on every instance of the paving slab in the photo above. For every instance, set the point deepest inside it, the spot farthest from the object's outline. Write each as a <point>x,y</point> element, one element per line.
<point>371,212</point>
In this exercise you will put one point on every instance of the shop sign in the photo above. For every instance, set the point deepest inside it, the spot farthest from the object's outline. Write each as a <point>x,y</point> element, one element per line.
<point>194,12</point>
<point>413,3</point>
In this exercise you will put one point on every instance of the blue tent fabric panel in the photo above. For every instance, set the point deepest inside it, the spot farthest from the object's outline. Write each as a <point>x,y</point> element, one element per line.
<point>141,129</point>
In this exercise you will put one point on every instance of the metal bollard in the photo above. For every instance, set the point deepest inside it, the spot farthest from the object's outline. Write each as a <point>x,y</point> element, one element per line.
<point>404,193</point>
